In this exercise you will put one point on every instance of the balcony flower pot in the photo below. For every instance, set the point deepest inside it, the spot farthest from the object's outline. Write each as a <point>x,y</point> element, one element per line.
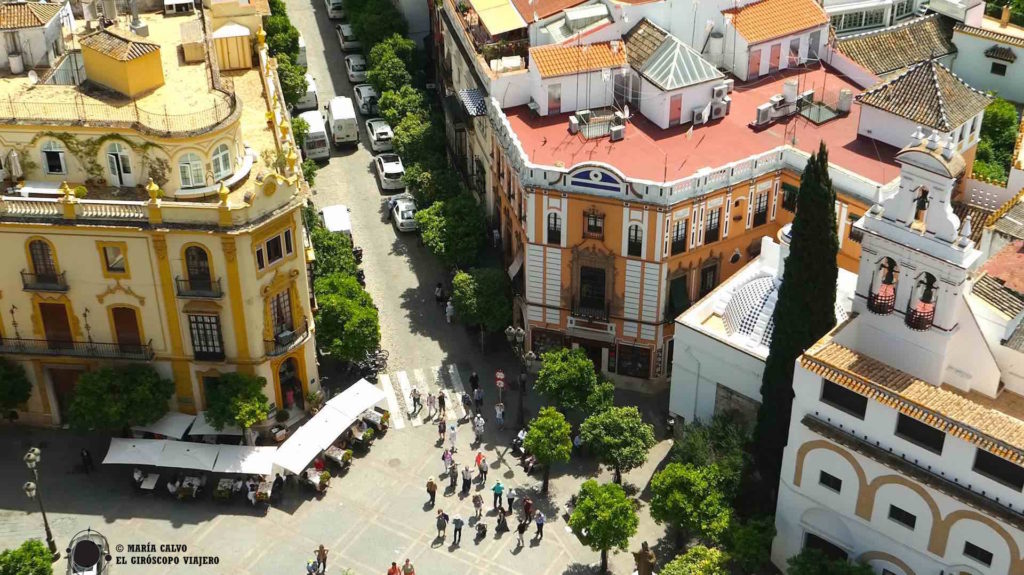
<point>281,416</point>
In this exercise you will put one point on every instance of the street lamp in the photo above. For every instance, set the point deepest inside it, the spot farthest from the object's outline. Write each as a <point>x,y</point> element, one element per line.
<point>516,337</point>
<point>32,460</point>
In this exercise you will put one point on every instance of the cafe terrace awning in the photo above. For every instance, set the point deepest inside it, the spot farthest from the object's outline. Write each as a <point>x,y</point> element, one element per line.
<point>134,451</point>
<point>359,397</point>
<point>258,460</point>
<point>173,424</point>
<point>298,450</point>
<point>498,16</point>
<point>186,455</point>
<point>201,427</point>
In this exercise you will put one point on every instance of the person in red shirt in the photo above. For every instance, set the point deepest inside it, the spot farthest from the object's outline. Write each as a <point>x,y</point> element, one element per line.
<point>318,464</point>
<point>394,569</point>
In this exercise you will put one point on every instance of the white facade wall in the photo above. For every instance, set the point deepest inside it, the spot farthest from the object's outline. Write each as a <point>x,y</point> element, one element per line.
<point>896,131</point>
<point>37,43</point>
<point>995,327</point>
<point>975,68</point>
<point>654,103</point>
<point>578,92</point>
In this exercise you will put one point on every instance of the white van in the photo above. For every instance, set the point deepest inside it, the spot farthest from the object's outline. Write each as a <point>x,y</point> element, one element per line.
<point>341,119</point>
<point>301,61</point>
<point>309,100</point>
<point>316,146</point>
<point>337,219</point>
<point>334,9</point>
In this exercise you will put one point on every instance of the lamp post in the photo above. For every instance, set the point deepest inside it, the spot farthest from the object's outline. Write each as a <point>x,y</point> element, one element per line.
<point>516,337</point>
<point>32,460</point>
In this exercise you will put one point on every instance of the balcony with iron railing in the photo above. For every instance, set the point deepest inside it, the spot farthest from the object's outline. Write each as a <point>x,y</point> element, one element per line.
<point>590,310</point>
<point>47,347</point>
<point>208,288</point>
<point>882,304</point>
<point>44,282</point>
<point>920,319</point>
<point>286,340</point>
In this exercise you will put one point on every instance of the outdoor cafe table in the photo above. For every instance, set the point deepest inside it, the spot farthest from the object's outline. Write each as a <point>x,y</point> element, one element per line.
<point>264,490</point>
<point>335,454</point>
<point>225,487</point>
<point>312,476</point>
<point>149,481</point>
<point>189,486</point>
<point>372,416</point>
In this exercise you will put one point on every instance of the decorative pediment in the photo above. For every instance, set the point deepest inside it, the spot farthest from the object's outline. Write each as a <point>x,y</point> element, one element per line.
<point>118,287</point>
<point>597,179</point>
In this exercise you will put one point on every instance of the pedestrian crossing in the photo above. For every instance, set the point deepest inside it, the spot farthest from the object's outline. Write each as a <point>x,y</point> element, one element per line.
<point>443,379</point>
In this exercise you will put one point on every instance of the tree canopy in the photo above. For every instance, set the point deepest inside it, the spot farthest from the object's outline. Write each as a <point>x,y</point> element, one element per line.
<point>394,105</point>
<point>453,229</point>
<point>813,562</point>
<point>15,388</point>
<point>750,544</point>
<point>388,74</point>
<point>293,79</point>
<point>347,322</point>
<point>481,297</point>
<point>394,46</point>
<point>722,441</point>
<point>548,440</point>
<point>112,399</point>
<point>691,499</point>
<point>566,378</point>
<point>699,560</point>
<point>619,438</point>
<point>236,399</point>
<point>30,558</point>
<point>997,140</point>
<point>804,312</point>
<point>603,518</point>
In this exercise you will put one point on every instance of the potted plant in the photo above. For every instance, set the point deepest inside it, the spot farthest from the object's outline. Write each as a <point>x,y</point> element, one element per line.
<point>325,479</point>
<point>346,458</point>
<point>368,436</point>
<point>281,416</point>
<point>222,493</point>
<point>315,400</point>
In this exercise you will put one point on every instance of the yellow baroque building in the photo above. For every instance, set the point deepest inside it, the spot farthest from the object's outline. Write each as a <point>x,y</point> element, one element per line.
<point>151,213</point>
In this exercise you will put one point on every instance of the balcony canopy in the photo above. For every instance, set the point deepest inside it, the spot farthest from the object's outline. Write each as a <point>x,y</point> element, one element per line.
<point>498,16</point>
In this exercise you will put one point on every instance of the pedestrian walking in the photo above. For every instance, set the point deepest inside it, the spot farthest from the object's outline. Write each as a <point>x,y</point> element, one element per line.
<point>540,520</point>
<point>527,508</point>
<point>442,413</point>
<point>439,293</point>
<point>510,494</point>
<point>431,405</point>
<point>482,468</point>
<point>441,427</point>
<point>467,477</point>
<point>474,382</point>
<point>87,465</point>
<point>479,457</point>
<point>394,570</point>
<point>449,311</point>
<point>442,523</point>
<point>498,490</point>
<point>457,524</point>
<point>321,558</point>
<point>467,403</point>
<point>278,488</point>
<point>478,397</point>
<point>521,530</point>
<point>452,433</point>
<point>416,403</point>
<point>453,475</point>
<point>407,568</point>
<point>478,428</point>
<point>446,460</point>
<point>478,504</point>
<point>499,415</point>
<point>431,491</point>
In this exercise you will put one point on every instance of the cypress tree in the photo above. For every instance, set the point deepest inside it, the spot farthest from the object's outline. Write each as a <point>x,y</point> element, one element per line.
<point>804,312</point>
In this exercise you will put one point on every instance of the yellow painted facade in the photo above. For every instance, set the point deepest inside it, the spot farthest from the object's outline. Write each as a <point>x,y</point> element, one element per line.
<point>200,272</point>
<point>131,78</point>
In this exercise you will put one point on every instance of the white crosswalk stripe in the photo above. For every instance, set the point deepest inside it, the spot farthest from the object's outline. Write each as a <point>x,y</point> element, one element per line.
<point>397,417</point>
<point>421,384</point>
<point>403,384</point>
<point>452,391</point>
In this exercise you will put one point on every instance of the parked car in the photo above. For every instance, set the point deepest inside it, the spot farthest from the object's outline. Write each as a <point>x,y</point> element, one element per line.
<point>404,214</point>
<point>310,100</point>
<point>355,66</point>
<point>366,98</point>
<point>389,171</point>
<point>347,38</point>
<point>335,10</point>
<point>380,135</point>
<point>341,121</point>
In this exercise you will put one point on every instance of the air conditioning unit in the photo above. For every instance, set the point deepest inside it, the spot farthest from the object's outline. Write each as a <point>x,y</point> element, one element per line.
<point>721,109</point>
<point>777,100</point>
<point>617,133</point>
<point>729,84</point>
<point>719,92</point>
<point>700,115</point>
<point>284,337</point>
<point>574,125</point>
<point>584,115</point>
<point>764,114</point>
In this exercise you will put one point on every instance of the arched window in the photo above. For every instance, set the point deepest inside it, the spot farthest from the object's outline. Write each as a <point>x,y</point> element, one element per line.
<point>197,266</point>
<point>635,243</point>
<point>43,264</point>
<point>882,298</point>
<point>554,228</point>
<point>190,166</point>
<point>921,309</point>
<point>221,162</point>
<point>119,163</point>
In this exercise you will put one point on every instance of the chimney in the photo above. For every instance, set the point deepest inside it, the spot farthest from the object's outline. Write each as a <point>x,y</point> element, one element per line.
<point>1004,19</point>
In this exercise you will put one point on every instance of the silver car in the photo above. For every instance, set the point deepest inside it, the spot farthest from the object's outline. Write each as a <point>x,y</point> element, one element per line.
<point>404,215</point>
<point>380,135</point>
<point>389,170</point>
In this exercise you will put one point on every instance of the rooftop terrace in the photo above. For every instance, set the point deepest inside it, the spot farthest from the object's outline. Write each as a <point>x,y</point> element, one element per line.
<point>650,153</point>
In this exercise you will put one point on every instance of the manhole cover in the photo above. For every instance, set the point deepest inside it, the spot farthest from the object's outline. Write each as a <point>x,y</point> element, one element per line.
<point>394,462</point>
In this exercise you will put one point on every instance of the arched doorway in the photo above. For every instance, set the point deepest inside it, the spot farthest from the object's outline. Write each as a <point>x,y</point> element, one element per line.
<point>290,384</point>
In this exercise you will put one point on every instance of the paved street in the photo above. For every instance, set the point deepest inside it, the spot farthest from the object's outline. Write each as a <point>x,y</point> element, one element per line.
<point>376,512</point>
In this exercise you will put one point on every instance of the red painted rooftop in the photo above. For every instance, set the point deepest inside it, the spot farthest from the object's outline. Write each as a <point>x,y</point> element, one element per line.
<point>1008,265</point>
<point>650,153</point>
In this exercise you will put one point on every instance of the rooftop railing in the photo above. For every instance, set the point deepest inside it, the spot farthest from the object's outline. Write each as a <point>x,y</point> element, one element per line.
<point>19,346</point>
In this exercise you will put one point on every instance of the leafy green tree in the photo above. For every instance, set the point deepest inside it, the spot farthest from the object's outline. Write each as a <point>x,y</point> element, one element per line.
<point>277,7</point>
<point>15,388</point>
<point>375,21</point>
<point>548,440</point>
<point>282,37</point>
<point>604,518</point>
<point>416,137</point>
<point>333,253</point>
<point>453,229</point>
<point>309,170</point>
<point>699,560</point>
<point>428,185</point>
<point>619,438</point>
<point>481,296</point>
<point>691,500</point>
<point>395,45</point>
<point>566,378</point>
<point>750,544</point>
<point>997,140</point>
<point>388,74</point>
<point>112,399</point>
<point>723,442</point>
<point>347,324</point>
<point>814,562</point>
<point>300,129</point>
<point>804,312</point>
<point>237,399</point>
<point>601,397</point>
<point>31,558</point>
<point>293,79</point>
<point>397,104</point>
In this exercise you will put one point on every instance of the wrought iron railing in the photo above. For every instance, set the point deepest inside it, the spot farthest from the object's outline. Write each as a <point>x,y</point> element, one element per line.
<point>919,320</point>
<point>594,311</point>
<point>199,287</point>
<point>11,345</point>
<point>881,304</point>
<point>286,340</point>
<point>44,282</point>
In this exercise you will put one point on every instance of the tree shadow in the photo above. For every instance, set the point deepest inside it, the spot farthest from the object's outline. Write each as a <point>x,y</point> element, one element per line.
<point>581,569</point>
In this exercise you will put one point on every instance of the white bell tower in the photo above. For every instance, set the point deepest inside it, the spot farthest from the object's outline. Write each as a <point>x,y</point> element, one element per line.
<point>914,264</point>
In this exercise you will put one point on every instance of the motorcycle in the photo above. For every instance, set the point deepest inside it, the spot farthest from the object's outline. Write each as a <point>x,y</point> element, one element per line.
<point>357,253</point>
<point>361,277</point>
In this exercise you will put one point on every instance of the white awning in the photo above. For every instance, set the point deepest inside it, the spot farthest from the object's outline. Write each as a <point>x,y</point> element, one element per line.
<point>202,427</point>
<point>362,395</point>
<point>298,450</point>
<point>327,425</point>
<point>245,459</point>
<point>134,451</point>
<point>185,455</point>
<point>516,264</point>
<point>173,424</point>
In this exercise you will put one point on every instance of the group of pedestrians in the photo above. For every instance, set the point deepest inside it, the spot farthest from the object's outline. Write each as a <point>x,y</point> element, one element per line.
<point>405,569</point>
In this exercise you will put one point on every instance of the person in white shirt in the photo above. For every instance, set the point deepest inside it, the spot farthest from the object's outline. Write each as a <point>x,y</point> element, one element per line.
<point>138,475</point>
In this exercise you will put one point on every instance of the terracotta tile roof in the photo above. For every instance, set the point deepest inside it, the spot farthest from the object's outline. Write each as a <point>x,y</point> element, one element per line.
<point>19,15</point>
<point>554,60</point>
<point>995,425</point>
<point>119,44</point>
<point>1009,219</point>
<point>891,49</point>
<point>928,94</point>
<point>542,8</point>
<point>768,19</point>
<point>978,217</point>
<point>989,34</point>
<point>1003,53</point>
<point>1007,266</point>
<point>641,41</point>
<point>991,291</point>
